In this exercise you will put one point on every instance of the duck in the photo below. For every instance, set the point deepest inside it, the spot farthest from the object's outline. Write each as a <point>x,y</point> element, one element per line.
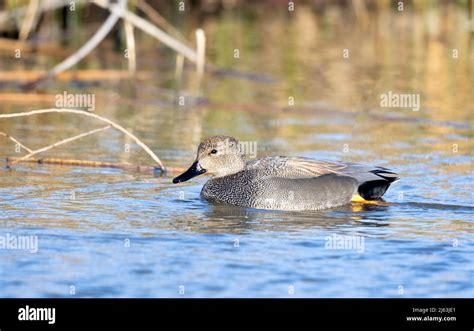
<point>282,182</point>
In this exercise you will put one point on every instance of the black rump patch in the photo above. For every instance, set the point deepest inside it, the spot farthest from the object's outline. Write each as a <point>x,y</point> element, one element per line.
<point>373,189</point>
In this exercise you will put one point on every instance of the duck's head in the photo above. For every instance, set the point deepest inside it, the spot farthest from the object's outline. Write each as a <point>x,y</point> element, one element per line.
<point>218,156</point>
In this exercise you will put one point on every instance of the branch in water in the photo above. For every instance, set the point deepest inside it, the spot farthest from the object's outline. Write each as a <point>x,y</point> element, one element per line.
<point>103,119</point>
<point>95,164</point>
<point>64,141</point>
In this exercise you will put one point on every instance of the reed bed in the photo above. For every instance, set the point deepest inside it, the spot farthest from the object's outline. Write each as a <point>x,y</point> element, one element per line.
<point>28,15</point>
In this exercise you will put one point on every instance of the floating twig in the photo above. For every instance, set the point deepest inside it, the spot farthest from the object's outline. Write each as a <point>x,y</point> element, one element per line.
<point>95,164</point>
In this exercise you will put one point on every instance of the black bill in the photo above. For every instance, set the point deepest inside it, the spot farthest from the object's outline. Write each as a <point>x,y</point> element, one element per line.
<point>193,171</point>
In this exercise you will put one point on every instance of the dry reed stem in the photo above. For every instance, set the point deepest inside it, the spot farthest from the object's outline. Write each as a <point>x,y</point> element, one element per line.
<point>92,43</point>
<point>29,20</point>
<point>201,52</point>
<point>43,6</point>
<point>15,141</point>
<point>178,74</point>
<point>159,20</point>
<point>103,119</point>
<point>131,50</point>
<point>62,142</point>
<point>150,29</point>
<point>360,10</point>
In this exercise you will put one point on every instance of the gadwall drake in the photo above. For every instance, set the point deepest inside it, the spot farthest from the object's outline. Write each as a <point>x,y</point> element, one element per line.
<point>282,183</point>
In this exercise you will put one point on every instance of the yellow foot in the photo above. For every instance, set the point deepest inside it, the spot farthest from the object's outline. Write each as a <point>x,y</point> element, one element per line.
<point>358,199</point>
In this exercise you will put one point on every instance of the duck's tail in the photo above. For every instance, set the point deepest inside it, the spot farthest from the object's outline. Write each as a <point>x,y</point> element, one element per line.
<point>374,189</point>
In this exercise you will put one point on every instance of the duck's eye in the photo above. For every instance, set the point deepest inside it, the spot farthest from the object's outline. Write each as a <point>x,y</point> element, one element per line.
<point>214,151</point>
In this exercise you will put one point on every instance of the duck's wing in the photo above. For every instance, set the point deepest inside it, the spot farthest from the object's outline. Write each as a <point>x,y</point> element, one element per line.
<point>296,167</point>
<point>372,181</point>
<point>314,168</point>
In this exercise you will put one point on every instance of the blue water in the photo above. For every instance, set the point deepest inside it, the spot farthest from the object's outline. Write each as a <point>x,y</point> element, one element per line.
<point>126,235</point>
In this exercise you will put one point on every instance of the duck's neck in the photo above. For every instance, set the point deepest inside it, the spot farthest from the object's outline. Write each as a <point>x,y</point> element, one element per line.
<point>231,169</point>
